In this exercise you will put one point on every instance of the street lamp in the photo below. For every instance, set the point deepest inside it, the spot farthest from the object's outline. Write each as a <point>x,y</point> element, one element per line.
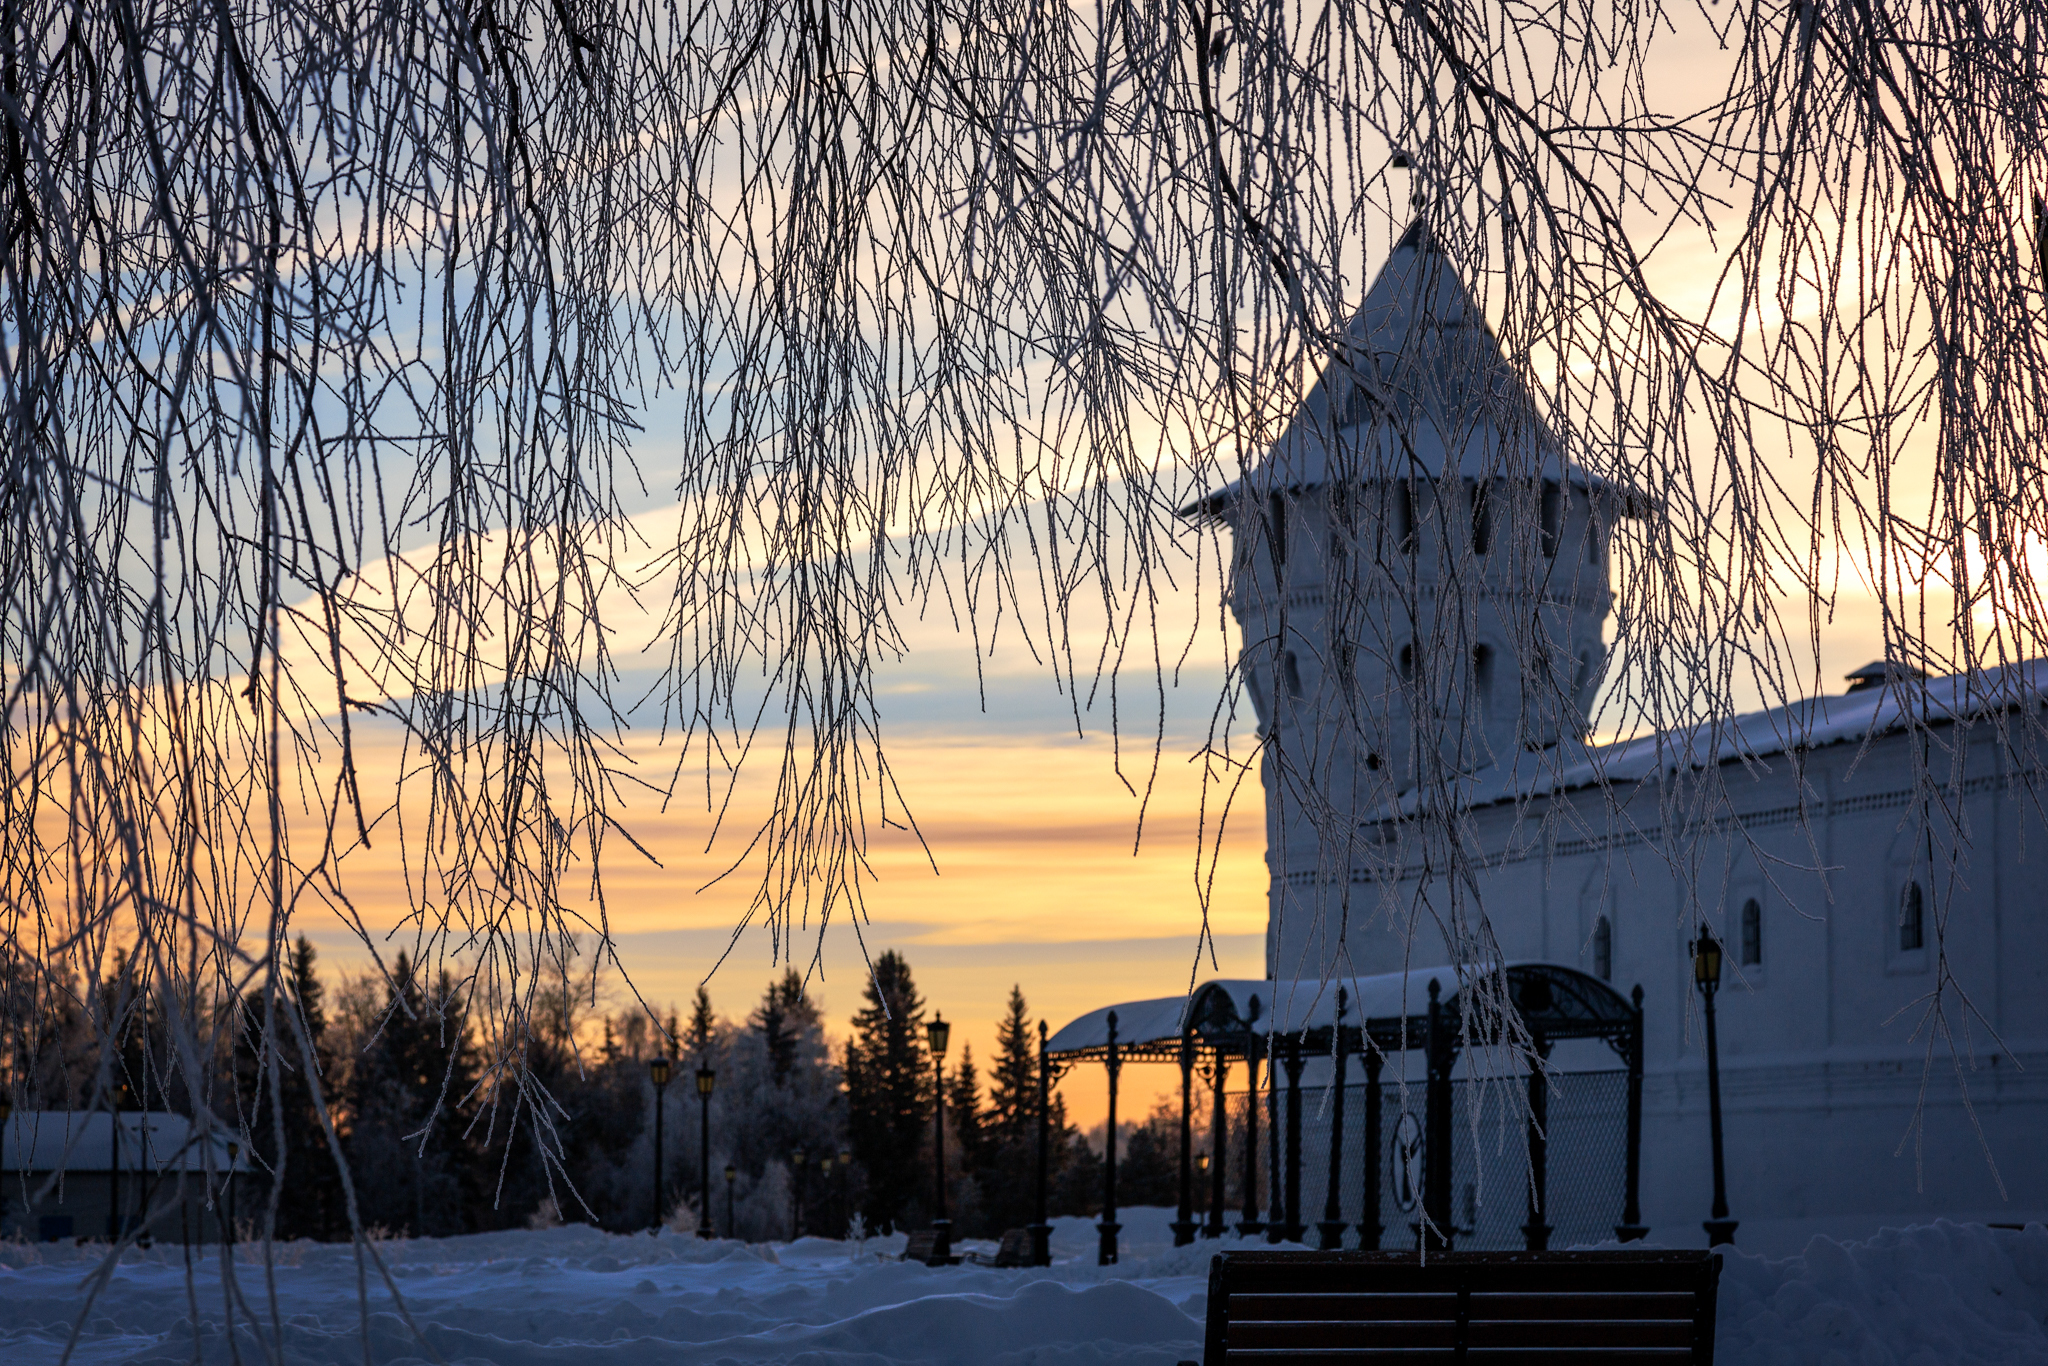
<point>228,1192</point>
<point>657,1071</point>
<point>1201,1188</point>
<point>846,1186</point>
<point>706,1078</point>
<point>6,1113</point>
<point>937,1032</point>
<point>114,1221</point>
<point>731,1175</point>
<point>796,1217</point>
<point>1706,974</point>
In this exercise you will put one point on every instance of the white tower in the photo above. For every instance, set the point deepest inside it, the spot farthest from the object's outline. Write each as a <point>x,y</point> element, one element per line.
<point>1421,579</point>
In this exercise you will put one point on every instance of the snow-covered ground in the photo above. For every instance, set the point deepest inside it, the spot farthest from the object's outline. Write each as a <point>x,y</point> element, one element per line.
<point>1948,1293</point>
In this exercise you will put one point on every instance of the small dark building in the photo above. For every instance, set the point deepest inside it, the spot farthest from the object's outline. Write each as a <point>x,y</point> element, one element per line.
<point>76,1174</point>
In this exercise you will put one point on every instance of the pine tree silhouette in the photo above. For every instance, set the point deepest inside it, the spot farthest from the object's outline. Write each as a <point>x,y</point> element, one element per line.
<point>301,1166</point>
<point>889,1091</point>
<point>1013,1081</point>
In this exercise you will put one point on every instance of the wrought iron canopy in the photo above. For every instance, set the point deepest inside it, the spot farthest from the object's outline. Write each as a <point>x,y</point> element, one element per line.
<point>1238,1016</point>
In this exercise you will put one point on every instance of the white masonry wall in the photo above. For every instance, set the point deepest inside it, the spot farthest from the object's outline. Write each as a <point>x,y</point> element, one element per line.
<point>1841,1087</point>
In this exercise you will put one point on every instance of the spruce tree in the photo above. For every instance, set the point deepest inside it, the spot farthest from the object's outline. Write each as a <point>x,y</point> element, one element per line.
<point>308,1203</point>
<point>785,1015</point>
<point>703,1025</point>
<point>963,1108</point>
<point>889,1091</point>
<point>1013,1081</point>
<point>420,1072</point>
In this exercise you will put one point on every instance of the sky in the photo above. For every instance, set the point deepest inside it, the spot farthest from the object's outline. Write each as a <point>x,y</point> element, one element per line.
<point>1037,874</point>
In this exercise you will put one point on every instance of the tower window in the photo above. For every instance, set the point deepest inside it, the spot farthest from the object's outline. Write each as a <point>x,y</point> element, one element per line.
<point>1293,674</point>
<point>1408,663</point>
<point>1553,517</point>
<point>1912,918</point>
<point>1480,492</point>
<point>1482,678</point>
<point>1276,527</point>
<point>1752,933</point>
<point>1603,950</point>
<point>1404,515</point>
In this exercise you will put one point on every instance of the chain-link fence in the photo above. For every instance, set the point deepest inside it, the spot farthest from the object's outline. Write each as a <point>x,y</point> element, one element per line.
<point>1587,1151</point>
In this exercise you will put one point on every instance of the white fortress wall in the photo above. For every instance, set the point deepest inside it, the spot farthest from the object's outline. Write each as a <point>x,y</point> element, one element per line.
<point>1829,1042</point>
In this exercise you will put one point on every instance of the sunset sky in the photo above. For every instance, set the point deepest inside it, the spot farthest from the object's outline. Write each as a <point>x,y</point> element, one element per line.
<point>1041,879</point>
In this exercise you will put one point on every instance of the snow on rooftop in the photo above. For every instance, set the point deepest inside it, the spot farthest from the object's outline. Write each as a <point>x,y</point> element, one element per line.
<point>1416,385</point>
<point>1810,723</point>
<point>1307,1004</point>
<point>83,1141</point>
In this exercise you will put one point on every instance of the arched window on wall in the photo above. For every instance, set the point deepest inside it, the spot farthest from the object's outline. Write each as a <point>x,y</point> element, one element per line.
<point>1752,933</point>
<point>1277,526</point>
<point>1553,517</point>
<point>1404,516</point>
<point>1479,491</point>
<point>1407,663</point>
<point>1293,674</point>
<point>1603,950</point>
<point>1912,918</point>
<point>1482,679</point>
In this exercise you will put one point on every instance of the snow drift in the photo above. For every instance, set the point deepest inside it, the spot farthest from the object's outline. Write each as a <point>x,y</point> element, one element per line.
<point>1948,1293</point>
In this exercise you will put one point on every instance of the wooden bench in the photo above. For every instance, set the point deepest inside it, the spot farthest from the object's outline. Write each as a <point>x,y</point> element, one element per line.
<point>1013,1250</point>
<point>924,1247</point>
<point>1604,1308</point>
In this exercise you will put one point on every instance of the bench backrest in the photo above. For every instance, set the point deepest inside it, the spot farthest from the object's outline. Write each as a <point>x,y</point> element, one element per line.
<point>1015,1249</point>
<point>918,1247</point>
<point>1611,1308</point>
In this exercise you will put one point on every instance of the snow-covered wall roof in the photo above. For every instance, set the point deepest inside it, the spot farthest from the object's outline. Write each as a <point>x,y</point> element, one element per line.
<point>82,1141</point>
<point>1810,723</point>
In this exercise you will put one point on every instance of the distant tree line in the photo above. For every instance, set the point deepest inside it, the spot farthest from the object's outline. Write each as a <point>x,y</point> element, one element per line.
<point>437,1145</point>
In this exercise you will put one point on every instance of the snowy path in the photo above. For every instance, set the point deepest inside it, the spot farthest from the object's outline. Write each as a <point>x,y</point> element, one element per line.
<point>1941,1294</point>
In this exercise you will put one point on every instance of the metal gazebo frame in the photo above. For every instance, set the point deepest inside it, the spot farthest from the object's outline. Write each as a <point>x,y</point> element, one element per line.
<point>1227,1019</point>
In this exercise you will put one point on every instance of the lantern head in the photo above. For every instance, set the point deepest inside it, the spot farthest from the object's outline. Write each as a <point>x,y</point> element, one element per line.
<point>1706,961</point>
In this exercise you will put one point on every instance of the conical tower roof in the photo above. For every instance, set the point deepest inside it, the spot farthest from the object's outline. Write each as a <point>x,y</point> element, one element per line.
<point>1416,386</point>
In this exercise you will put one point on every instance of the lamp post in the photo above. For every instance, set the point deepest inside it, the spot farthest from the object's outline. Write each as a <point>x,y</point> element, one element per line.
<point>1201,1192</point>
<point>1706,974</point>
<point>731,1174</point>
<point>824,1213</point>
<point>114,1229</point>
<point>657,1072</point>
<point>796,1194</point>
<point>706,1079</point>
<point>1040,1230</point>
<point>846,1186</point>
<point>937,1032</point>
<point>6,1114</point>
<point>228,1192</point>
